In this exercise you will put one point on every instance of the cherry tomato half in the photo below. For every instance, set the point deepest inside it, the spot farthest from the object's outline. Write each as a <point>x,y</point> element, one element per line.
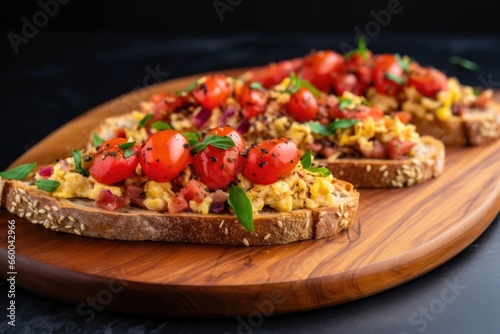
<point>387,74</point>
<point>427,80</point>
<point>212,91</point>
<point>274,73</point>
<point>164,155</point>
<point>217,167</point>
<point>318,68</point>
<point>270,160</point>
<point>252,101</point>
<point>113,164</point>
<point>164,104</point>
<point>361,112</point>
<point>302,106</point>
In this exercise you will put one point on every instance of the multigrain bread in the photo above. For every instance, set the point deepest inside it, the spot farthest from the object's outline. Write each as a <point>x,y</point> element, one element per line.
<point>428,163</point>
<point>81,217</point>
<point>477,127</point>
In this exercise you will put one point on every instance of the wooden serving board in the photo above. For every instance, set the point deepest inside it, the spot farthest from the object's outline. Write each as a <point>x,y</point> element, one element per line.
<point>397,235</point>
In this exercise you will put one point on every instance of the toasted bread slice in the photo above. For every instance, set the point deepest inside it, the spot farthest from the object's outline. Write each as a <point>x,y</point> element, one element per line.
<point>427,163</point>
<point>477,127</point>
<point>79,216</point>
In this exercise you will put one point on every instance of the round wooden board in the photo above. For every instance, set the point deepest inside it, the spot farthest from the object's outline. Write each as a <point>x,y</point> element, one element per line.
<point>397,235</point>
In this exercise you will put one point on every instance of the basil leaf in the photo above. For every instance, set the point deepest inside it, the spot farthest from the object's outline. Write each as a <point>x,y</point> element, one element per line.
<point>404,63</point>
<point>330,129</point>
<point>344,102</point>
<point>192,137</point>
<point>319,129</point>
<point>48,185</point>
<point>159,125</point>
<point>242,207</point>
<point>394,78</point>
<point>306,161</point>
<point>256,85</point>
<point>464,63</point>
<point>20,172</point>
<point>144,121</point>
<point>296,83</point>
<point>341,124</point>
<point>187,89</point>
<point>97,141</point>
<point>361,49</point>
<point>127,152</point>
<point>77,157</point>
<point>222,142</point>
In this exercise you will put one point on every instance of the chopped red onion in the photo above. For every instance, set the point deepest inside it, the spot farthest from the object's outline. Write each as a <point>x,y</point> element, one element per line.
<point>202,117</point>
<point>244,126</point>
<point>46,171</point>
<point>230,111</point>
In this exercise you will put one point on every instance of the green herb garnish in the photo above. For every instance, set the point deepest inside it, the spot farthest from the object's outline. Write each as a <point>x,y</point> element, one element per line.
<point>242,207</point>
<point>222,142</point>
<point>77,157</point>
<point>48,185</point>
<point>20,172</point>
<point>187,89</point>
<point>97,141</point>
<point>344,102</point>
<point>192,137</point>
<point>330,129</point>
<point>307,164</point>
<point>159,125</point>
<point>127,152</point>
<point>394,78</point>
<point>256,85</point>
<point>404,61</point>
<point>145,120</point>
<point>296,83</point>
<point>361,49</point>
<point>464,63</point>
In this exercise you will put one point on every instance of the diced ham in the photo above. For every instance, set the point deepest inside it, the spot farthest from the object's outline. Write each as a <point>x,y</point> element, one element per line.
<point>135,194</point>
<point>193,191</point>
<point>106,200</point>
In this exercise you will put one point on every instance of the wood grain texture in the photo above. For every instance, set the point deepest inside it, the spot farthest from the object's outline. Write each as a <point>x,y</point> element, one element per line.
<point>398,235</point>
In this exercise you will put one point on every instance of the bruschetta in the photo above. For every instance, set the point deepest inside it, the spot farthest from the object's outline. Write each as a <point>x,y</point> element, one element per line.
<point>440,106</point>
<point>349,135</point>
<point>212,191</point>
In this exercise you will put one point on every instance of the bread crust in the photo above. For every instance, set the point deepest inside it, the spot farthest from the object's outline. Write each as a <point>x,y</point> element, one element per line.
<point>79,216</point>
<point>477,127</point>
<point>427,163</point>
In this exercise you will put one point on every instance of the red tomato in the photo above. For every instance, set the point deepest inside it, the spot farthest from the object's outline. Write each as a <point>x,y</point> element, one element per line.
<point>270,160</point>
<point>302,106</point>
<point>274,73</point>
<point>212,91</point>
<point>396,148</point>
<point>386,72</point>
<point>217,167</point>
<point>355,75</point>
<point>253,101</point>
<point>110,164</point>
<point>164,155</point>
<point>165,104</point>
<point>403,116</point>
<point>361,112</point>
<point>426,80</point>
<point>319,66</point>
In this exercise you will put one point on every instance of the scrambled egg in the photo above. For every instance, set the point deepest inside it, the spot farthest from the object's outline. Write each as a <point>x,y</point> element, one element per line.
<point>301,189</point>
<point>75,185</point>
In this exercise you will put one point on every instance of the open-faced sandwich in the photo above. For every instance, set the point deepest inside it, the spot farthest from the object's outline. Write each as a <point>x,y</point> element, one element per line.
<point>439,106</point>
<point>212,190</point>
<point>354,139</point>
